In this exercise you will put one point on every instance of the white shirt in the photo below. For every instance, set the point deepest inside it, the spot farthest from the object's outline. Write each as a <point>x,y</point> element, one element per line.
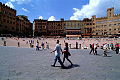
<point>58,49</point>
<point>105,46</point>
<point>37,44</point>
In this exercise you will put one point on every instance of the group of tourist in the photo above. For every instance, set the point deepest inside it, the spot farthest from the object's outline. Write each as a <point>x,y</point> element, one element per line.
<point>66,53</point>
<point>42,46</point>
<point>105,47</point>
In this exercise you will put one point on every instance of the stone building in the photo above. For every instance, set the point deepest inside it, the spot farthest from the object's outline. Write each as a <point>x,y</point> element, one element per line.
<point>40,27</point>
<point>55,28</point>
<point>24,27</point>
<point>10,24</point>
<point>95,27</point>
<point>74,28</point>
<point>88,27</point>
<point>48,28</point>
<point>7,20</point>
<point>107,26</point>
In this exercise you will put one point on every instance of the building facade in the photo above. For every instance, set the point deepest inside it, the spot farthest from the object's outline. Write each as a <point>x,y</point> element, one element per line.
<point>12,24</point>
<point>23,27</point>
<point>88,27</point>
<point>74,28</point>
<point>55,28</point>
<point>40,27</point>
<point>95,27</point>
<point>7,20</point>
<point>48,28</point>
<point>107,26</point>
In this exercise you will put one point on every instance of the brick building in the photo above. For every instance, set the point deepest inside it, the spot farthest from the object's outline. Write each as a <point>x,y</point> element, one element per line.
<point>7,20</point>
<point>40,27</point>
<point>55,28</point>
<point>107,26</point>
<point>12,24</point>
<point>48,28</point>
<point>74,28</point>
<point>88,27</point>
<point>24,27</point>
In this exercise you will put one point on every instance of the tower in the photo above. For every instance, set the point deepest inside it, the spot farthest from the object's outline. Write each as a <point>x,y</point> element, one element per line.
<point>110,12</point>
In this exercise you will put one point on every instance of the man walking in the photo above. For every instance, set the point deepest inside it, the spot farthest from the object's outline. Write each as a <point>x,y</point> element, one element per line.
<point>57,54</point>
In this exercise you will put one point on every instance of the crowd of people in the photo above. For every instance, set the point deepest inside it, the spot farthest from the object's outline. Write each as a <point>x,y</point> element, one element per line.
<point>105,47</point>
<point>93,47</point>
<point>41,44</point>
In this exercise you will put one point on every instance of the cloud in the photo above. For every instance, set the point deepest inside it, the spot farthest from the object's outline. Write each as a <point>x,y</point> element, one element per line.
<point>23,1</point>
<point>95,7</point>
<point>12,0</point>
<point>9,4</point>
<point>51,18</point>
<point>25,10</point>
<point>20,1</point>
<point>40,17</point>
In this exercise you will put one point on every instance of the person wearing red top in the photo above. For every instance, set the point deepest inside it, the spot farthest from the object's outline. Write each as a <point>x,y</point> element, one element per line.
<point>92,48</point>
<point>117,48</point>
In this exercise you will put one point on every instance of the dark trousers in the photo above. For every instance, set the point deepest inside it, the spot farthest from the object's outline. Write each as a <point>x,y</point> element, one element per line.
<point>92,49</point>
<point>37,48</point>
<point>117,50</point>
<point>95,52</point>
<point>59,60</point>
<point>65,56</point>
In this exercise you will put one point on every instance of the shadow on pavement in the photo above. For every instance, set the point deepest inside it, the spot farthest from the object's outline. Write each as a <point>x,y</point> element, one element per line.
<point>73,66</point>
<point>99,55</point>
<point>107,56</point>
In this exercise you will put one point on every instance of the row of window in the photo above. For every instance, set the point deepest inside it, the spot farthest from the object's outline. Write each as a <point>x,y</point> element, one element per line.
<point>101,22</point>
<point>73,32</point>
<point>7,21</point>
<point>11,28</point>
<point>75,24</point>
<point>8,13</point>
<point>105,33</point>
<point>73,27</point>
<point>107,30</point>
<point>8,17</point>
<point>110,25</point>
<point>40,23</point>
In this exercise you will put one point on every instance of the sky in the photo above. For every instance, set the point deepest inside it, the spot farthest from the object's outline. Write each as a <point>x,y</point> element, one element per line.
<point>52,10</point>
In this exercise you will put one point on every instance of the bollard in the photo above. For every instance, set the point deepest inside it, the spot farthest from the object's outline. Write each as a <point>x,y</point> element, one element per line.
<point>18,44</point>
<point>70,46</point>
<point>76,45</point>
<point>79,46</point>
<point>4,43</point>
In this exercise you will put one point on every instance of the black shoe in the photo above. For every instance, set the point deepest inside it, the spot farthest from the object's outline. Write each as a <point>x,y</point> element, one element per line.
<point>53,65</point>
